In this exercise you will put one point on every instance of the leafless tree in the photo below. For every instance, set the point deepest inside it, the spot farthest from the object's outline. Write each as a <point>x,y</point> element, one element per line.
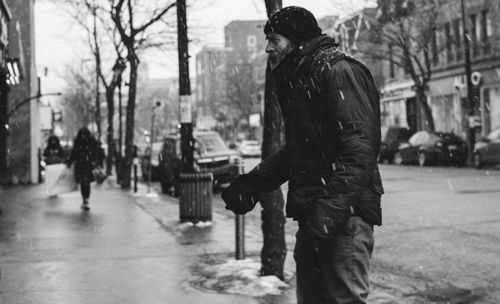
<point>408,36</point>
<point>140,25</point>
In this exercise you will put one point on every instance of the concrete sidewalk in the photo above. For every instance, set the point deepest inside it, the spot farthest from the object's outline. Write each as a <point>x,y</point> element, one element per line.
<point>52,252</point>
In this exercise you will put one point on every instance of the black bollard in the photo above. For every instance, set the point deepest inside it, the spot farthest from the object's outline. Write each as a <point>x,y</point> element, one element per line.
<point>239,221</point>
<point>135,178</point>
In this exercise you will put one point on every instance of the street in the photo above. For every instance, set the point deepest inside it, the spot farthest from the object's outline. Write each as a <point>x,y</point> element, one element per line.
<point>439,243</point>
<point>440,238</point>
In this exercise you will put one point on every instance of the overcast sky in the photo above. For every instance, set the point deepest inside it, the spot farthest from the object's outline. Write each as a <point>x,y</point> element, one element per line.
<point>58,39</point>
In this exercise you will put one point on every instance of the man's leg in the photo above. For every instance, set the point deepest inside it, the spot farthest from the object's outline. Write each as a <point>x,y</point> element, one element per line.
<point>310,288</point>
<point>345,263</point>
<point>335,272</point>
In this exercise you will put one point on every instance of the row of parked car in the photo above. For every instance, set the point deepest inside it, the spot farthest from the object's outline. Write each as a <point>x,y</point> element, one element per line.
<point>211,154</point>
<point>398,146</point>
<point>424,148</point>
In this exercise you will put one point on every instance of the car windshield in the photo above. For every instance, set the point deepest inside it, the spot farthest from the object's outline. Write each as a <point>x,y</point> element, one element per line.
<point>211,142</point>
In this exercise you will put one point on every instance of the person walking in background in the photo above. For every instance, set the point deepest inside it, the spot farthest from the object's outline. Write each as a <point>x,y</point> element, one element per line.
<point>86,155</point>
<point>53,153</point>
<point>331,110</point>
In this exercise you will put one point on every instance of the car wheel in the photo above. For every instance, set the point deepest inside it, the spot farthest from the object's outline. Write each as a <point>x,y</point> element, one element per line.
<point>398,159</point>
<point>422,159</point>
<point>478,160</point>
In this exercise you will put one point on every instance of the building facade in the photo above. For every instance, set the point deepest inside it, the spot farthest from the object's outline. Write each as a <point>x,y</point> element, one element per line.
<point>230,81</point>
<point>24,138</point>
<point>447,89</point>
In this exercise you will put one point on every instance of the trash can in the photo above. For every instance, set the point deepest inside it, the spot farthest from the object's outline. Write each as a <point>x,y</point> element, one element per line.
<point>195,200</point>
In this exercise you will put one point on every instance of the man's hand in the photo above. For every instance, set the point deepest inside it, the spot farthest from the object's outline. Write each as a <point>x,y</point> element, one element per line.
<point>238,197</point>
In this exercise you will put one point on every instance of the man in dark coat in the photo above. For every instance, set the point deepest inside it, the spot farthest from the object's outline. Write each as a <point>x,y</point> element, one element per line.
<point>330,106</point>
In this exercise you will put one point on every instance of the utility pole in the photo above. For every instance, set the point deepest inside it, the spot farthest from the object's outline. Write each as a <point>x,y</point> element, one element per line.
<point>471,133</point>
<point>184,91</point>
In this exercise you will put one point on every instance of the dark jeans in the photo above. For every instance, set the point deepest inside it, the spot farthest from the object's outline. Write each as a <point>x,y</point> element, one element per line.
<point>85,190</point>
<point>336,271</point>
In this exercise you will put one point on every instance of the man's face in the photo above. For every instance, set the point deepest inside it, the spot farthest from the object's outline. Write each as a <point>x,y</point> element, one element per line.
<point>278,47</point>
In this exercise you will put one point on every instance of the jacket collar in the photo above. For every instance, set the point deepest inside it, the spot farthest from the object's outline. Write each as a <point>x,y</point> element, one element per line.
<point>290,64</point>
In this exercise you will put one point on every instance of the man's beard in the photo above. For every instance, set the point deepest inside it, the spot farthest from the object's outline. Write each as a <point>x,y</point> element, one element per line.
<point>274,61</point>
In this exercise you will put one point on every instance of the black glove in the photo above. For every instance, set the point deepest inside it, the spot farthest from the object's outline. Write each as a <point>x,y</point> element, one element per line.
<point>239,197</point>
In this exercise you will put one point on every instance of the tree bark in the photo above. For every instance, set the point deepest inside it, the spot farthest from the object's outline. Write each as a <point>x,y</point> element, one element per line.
<point>110,90</point>
<point>130,119</point>
<point>426,110</point>
<point>273,219</point>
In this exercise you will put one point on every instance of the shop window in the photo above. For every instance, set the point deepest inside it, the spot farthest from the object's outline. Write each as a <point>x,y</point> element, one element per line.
<point>486,112</point>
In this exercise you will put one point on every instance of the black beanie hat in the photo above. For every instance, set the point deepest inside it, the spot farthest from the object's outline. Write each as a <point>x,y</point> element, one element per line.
<point>293,22</point>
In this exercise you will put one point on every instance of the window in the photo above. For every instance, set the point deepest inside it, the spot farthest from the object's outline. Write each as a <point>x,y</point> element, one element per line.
<point>458,29</point>
<point>391,62</point>
<point>447,36</point>
<point>473,35</point>
<point>485,32</point>
<point>434,50</point>
<point>252,44</point>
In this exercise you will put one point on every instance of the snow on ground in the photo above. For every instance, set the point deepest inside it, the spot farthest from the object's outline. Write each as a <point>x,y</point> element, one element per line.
<point>237,277</point>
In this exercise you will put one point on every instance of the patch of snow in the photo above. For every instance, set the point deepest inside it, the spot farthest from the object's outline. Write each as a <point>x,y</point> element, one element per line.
<point>242,277</point>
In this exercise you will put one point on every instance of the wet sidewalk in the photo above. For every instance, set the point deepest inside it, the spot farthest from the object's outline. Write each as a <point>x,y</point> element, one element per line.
<point>52,252</point>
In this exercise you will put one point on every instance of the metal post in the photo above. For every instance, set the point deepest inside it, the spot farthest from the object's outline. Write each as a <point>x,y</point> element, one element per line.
<point>184,90</point>
<point>240,237</point>
<point>151,137</point>
<point>135,177</point>
<point>240,225</point>
<point>471,136</point>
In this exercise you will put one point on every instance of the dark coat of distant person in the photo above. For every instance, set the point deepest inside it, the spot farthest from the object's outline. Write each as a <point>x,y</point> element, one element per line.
<point>86,155</point>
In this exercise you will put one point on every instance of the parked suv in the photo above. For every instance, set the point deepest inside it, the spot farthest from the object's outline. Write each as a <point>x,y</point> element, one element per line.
<point>211,154</point>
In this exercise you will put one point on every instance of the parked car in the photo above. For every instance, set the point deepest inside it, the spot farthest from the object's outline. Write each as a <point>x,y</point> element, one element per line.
<point>211,155</point>
<point>391,138</point>
<point>155,162</point>
<point>487,149</point>
<point>250,148</point>
<point>425,148</point>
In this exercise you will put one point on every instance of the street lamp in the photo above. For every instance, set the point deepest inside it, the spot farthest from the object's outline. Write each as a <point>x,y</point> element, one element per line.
<point>118,68</point>
<point>26,100</point>
<point>151,139</point>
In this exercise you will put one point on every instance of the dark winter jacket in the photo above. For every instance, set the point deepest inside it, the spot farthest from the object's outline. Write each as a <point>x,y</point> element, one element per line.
<point>330,106</point>
<point>53,153</point>
<point>86,156</point>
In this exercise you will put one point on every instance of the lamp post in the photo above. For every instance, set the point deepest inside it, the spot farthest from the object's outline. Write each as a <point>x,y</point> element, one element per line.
<point>151,139</point>
<point>118,68</point>
<point>184,90</point>
<point>6,114</point>
<point>471,132</point>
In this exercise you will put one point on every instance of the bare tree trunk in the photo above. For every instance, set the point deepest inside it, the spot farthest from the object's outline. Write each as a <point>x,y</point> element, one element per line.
<point>110,90</point>
<point>425,108</point>
<point>273,219</point>
<point>130,120</point>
